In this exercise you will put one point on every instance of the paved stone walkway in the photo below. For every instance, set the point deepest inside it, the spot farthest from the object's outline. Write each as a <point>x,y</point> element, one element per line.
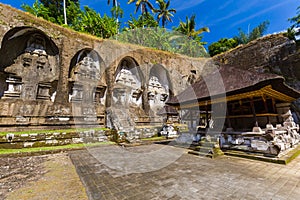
<point>166,172</point>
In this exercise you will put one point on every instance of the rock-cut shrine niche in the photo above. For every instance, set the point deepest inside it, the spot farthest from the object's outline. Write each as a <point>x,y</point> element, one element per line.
<point>128,84</point>
<point>85,78</point>
<point>159,87</point>
<point>30,65</point>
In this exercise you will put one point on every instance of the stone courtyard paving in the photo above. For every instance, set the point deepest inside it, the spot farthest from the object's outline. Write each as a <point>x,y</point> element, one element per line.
<point>166,172</point>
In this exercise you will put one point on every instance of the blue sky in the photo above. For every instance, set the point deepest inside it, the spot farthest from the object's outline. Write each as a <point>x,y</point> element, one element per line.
<point>223,17</point>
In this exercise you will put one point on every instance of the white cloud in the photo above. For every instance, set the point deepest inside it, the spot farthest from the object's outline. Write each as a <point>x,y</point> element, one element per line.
<point>238,11</point>
<point>227,3</point>
<point>180,5</point>
<point>259,13</point>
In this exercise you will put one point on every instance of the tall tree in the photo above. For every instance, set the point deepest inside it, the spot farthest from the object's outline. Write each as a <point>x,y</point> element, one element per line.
<point>163,12</point>
<point>39,10</point>
<point>189,28</point>
<point>87,20</point>
<point>56,8</point>
<point>257,32</point>
<point>91,22</point>
<point>146,20</point>
<point>117,11</point>
<point>114,2</point>
<point>51,10</point>
<point>143,4</point>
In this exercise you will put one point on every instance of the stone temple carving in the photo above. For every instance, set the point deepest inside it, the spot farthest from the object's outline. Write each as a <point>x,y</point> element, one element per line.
<point>126,97</point>
<point>157,93</point>
<point>86,91</point>
<point>127,88</point>
<point>85,76</point>
<point>30,77</point>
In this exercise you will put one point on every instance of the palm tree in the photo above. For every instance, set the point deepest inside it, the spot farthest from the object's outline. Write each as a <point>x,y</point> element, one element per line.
<point>143,21</point>
<point>114,2</point>
<point>188,28</point>
<point>143,4</point>
<point>164,13</point>
<point>116,11</point>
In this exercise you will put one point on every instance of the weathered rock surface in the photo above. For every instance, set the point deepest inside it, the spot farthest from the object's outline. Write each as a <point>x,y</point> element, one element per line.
<point>270,54</point>
<point>53,76</point>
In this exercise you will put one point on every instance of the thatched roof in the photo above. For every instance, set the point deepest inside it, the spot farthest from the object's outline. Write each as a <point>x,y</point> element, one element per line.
<point>229,81</point>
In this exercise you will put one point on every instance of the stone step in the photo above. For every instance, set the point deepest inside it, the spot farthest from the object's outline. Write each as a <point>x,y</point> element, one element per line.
<point>197,153</point>
<point>203,149</point>
<point>280,159</point>
<point>207,144</point>
<point>253,156</point>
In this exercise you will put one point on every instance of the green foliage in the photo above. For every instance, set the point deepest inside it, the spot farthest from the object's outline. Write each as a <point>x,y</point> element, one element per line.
<point>290,33</point>
<point>53,131</point>
<point>56,10</point>
<point>117,11</point>
<point>74,14</point>
<point>154,138</point>
<point>145,20</point>
<point>188,28</point>
<point>143,4</point>
<point>257,32</point>
<point>225,44</point>
<point>161,39</point>
<point>39,10</point>
<point>89,21</point>
<point>163,12</point>
<point>86,20</point>
<point>52,148</point>
<point>295,20</point>
<point>221,46</point>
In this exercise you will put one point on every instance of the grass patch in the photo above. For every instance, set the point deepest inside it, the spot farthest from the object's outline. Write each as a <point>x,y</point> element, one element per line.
<point>52,131</point>
<point>293,154</point>
<point>52,148</point>
<point>154,138</point>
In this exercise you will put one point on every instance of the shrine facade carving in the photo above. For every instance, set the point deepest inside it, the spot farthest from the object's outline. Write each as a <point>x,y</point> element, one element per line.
<point>52,77</point>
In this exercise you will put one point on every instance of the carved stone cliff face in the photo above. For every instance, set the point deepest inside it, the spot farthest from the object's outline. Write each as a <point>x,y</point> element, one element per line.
<point>274,54</point>
<point>50,75</point>
<point>270,54</point>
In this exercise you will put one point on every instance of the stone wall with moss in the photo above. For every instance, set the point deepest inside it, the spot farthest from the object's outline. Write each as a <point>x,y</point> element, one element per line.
<point>51,76</point>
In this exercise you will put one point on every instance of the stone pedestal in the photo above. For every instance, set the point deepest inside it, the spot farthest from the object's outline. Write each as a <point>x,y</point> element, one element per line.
<point>14,87</point>
<point>77,94</point>
<point>43,91</point>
